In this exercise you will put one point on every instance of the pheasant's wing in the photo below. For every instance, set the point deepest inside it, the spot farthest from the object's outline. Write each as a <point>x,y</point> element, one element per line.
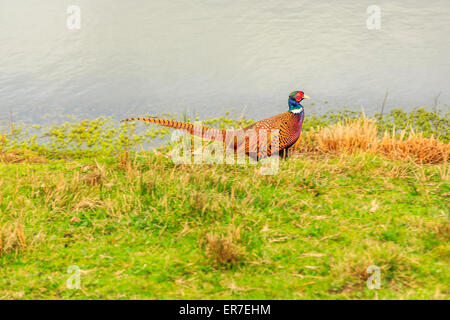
<point>259,137</point>
<point>266,124</point>
<point>282,130</point>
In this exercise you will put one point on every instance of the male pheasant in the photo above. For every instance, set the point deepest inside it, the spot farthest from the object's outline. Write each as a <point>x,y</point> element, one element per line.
<point>248,140</point>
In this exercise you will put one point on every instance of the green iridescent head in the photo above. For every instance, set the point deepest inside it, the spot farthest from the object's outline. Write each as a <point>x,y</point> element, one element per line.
<point>294,101</point>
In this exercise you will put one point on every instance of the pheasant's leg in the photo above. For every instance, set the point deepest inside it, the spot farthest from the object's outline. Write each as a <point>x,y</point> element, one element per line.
<point>284,154</point>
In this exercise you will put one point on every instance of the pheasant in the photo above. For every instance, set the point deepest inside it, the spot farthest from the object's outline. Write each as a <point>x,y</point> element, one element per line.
<point>250,140</point>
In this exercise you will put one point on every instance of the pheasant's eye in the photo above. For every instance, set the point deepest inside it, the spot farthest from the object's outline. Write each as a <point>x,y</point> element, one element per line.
<point>298,96</point>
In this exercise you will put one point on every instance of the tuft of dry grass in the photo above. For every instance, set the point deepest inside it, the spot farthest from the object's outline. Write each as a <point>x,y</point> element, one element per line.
<point>396,269</point>
<point>12,238</point>
<point>3,141</point>
<point>95,176</point>
<point>415,146</point>
<point>124,162</point>
<point>20,156</point>
<point>349,137</point>
<point>225,250</point>
<point>361,135</point>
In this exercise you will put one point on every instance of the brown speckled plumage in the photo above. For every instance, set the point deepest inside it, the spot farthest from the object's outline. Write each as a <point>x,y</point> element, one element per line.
<point>246,140</point>
<point>261,139</point>
<point>289,125</point>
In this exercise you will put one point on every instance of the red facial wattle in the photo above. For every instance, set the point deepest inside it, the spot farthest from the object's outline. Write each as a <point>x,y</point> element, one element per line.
<point>298,96</point>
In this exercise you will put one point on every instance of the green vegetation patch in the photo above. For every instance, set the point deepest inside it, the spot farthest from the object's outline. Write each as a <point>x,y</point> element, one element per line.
<point>141,227</point>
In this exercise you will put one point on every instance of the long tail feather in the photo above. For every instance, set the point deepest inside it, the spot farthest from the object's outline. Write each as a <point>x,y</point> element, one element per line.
<point>205,132</point>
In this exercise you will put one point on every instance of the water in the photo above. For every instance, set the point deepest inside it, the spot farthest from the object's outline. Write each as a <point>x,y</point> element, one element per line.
<point>148,57</point>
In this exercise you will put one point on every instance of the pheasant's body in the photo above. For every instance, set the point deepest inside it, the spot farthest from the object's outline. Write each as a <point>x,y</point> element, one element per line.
<point>287,124</point>
<point>261,139</point>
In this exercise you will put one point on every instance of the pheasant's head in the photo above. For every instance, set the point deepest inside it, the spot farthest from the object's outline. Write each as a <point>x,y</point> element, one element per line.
<point>294,101</point>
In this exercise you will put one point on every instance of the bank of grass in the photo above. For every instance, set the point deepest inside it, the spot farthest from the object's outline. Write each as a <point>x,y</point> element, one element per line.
<point>353,195</point>
<point>79,139</point>
<point>139,226</point>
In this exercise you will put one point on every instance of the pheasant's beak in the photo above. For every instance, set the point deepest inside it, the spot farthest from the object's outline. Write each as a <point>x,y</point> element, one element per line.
<point>306,97</point>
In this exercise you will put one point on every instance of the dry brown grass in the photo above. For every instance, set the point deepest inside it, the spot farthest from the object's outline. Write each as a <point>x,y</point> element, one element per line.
<point>2,141</point>
<point>20,156</point>
<point>225,250</point>
<point>396,268</point>
<point>362,136</point>
<point>416,147</point>
<point>12,238</point>
<point>124,163</point>
<point>95,175</point>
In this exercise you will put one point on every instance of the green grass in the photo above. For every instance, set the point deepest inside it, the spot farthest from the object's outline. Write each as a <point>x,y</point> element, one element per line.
<point>144,228</point>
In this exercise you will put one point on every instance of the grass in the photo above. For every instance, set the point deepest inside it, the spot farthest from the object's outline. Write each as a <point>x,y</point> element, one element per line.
<point>362,135</point>
<point>353,195</point>
<point>141,227</point>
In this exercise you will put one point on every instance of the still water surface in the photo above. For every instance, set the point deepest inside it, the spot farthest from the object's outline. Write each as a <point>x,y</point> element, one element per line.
<point>206,57</point>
